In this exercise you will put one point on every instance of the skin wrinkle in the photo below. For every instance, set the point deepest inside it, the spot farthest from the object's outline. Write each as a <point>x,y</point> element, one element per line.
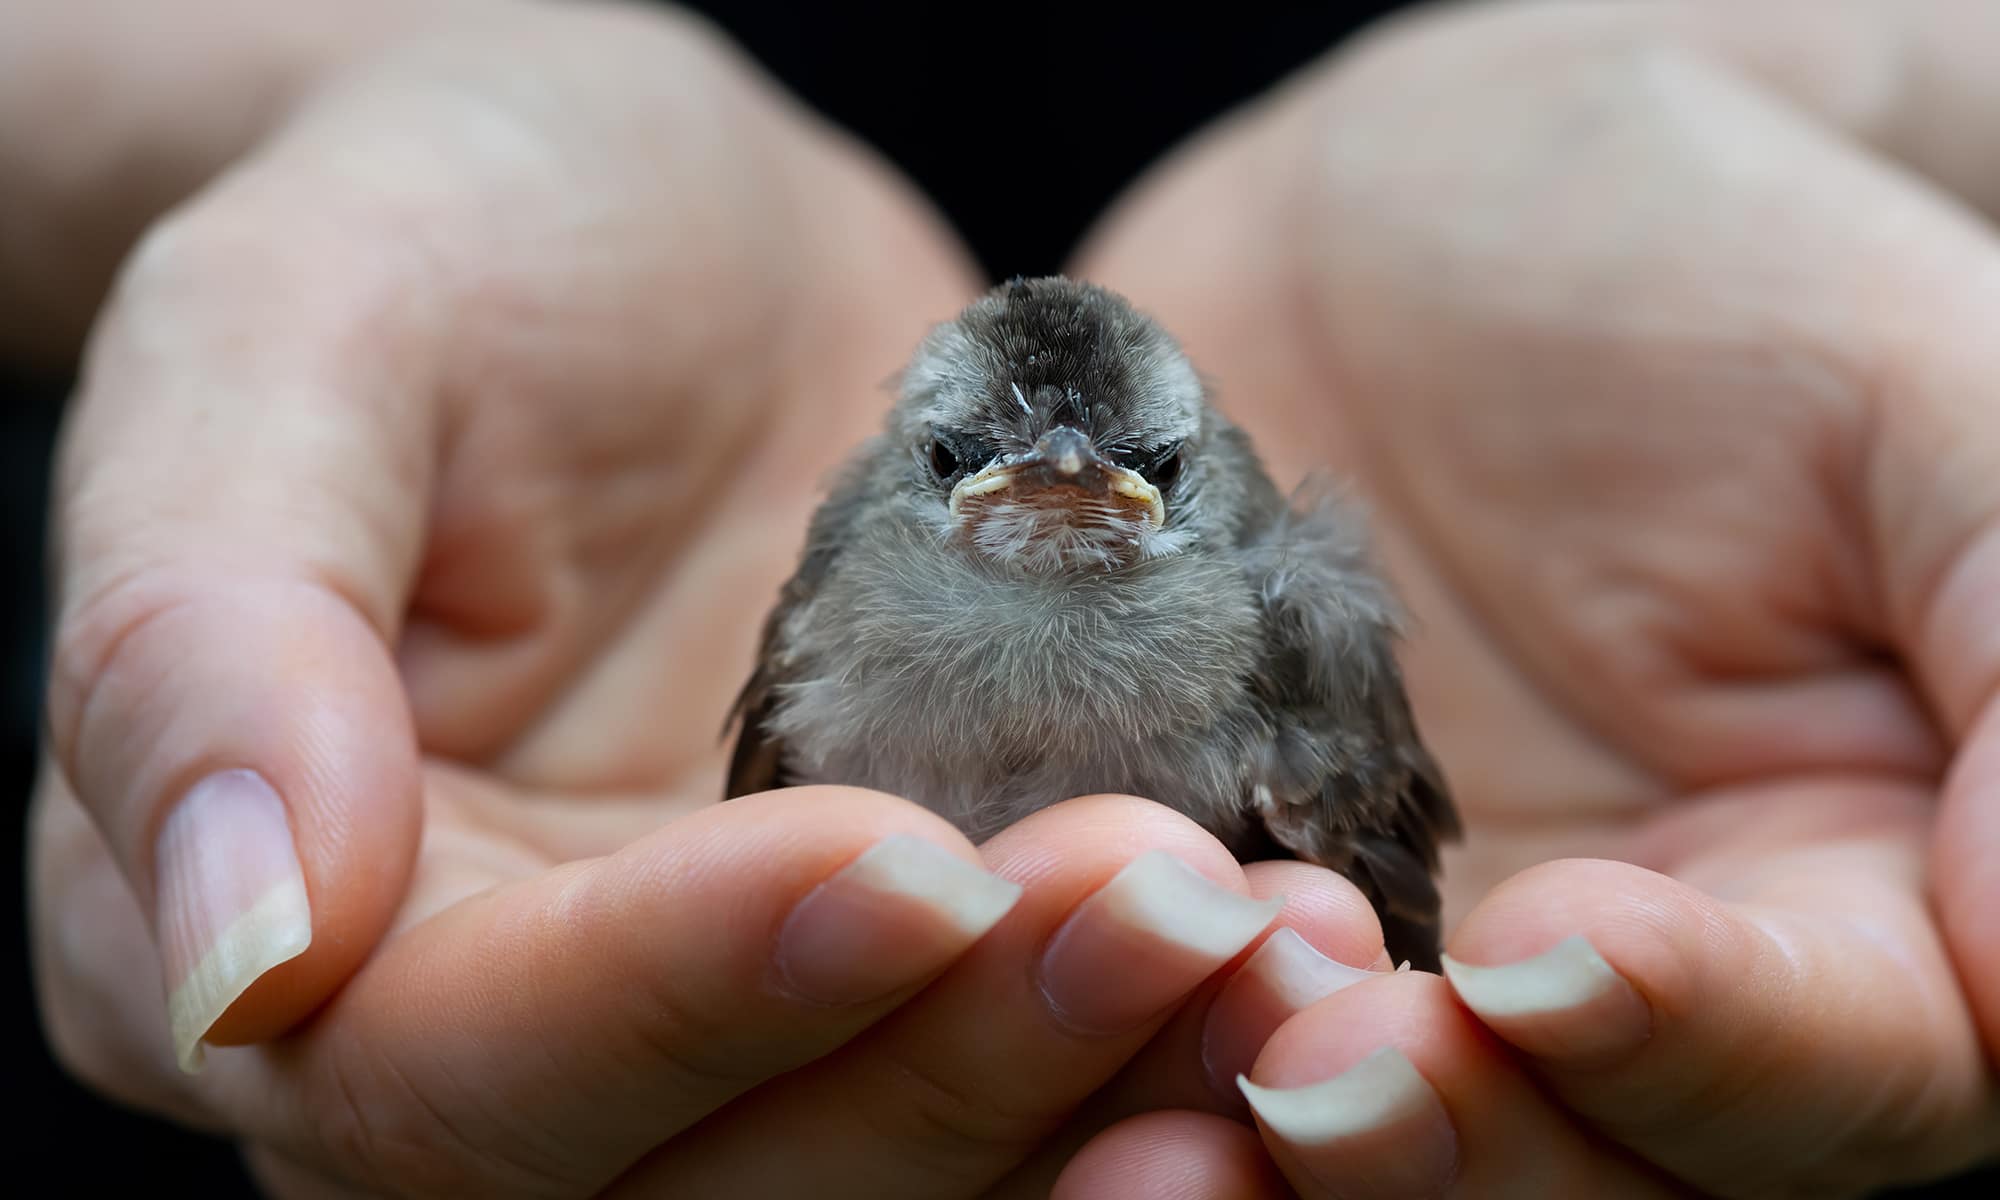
<point>96,189</point>
<point>72,693</point>
<point>1470,870</point>
<point>1933,617</point>
<point>476,1159</point>
<point>1891,1090</point>
<point>645,581</point>
<point>642,579</point>
<point>380,1000</point>
<point>1900,440</point>
<point>1851,581</point>
<point>168,259</point>
<point>738,463</point>
<point>351,1133</point>
<point>143,835</point>
<point>1667,667</point>
<point>749,483</point>
<point>450,593</point>
<point>1584,715</point>
<point>1760,1066</point>
<point>1822,628</point>
<point>578,578</point>
<point>952,1116</point>
<point>1851,483</point>
<point>1454,586</point>
<point>222,1077</point>
<point>1921,611</point>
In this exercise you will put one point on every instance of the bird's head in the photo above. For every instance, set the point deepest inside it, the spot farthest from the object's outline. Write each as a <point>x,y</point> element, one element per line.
<point>1051,427</point>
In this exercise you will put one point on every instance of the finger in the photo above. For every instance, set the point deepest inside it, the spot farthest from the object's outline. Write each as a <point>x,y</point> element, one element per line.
<point>1810,1037</point>
<point>1929,486</point>
<point>1333,939</point>
<point>1327,931</point>
<point>282,1179</point>
<point>1173,1155</point>
<point>1129,907</point>
<point>239,504</point>
<point>1325,926</point>
<point>90,942</point>
<point>538,1038</point>
<point>1959,653</point>
<point>1966,859</point>
<point>1389,1089</point>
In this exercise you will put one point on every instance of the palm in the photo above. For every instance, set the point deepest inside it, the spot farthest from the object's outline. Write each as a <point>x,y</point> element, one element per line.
<point>1639,572</point>
<point>570,672</point>
<point>1644,644</point>
<point>1626,472</point>
<point>1615,471</point>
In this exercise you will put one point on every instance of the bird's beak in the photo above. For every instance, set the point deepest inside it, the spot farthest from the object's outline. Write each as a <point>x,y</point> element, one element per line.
<point>1064,469</point>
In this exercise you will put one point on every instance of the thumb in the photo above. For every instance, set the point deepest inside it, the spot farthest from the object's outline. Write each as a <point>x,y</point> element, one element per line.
<point>1964,663</point>
<point>1804,1039</point>
<point>1934,504</point>
<point>239,505</point>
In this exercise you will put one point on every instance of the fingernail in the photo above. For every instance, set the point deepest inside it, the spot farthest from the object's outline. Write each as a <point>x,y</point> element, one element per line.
<point>1566,1003</point>
<point>1143,941</point>
<point>890,919</point>
<point>1375,1132</point>
<point>1284,977</point>
<point>231,901</point>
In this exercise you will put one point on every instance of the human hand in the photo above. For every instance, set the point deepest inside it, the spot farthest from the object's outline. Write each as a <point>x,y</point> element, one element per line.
<point>414,522</point>
<point>1669,385</point>
<point>176,93</point>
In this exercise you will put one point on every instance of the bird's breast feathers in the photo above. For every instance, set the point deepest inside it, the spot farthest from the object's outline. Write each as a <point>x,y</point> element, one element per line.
<point>917,670</point>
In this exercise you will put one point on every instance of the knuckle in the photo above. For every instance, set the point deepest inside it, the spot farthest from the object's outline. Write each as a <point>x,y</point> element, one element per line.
<point>247,237</point>
<point>128,644</point>
<point>94,636</point>
<point>948,1127</point>
<point>360,294</point>
<point>383,1130</point>
<point>163,252</point>
<point>692,1049</point>
<point>689,1040</point>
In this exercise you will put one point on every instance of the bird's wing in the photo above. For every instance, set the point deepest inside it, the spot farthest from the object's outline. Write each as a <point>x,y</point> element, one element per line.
<point>1349,783</point>
<point>757,762</point>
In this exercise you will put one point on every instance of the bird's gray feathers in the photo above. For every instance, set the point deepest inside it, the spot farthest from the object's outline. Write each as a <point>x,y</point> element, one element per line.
<point>1248,678</point>
<point>757,762</point>
<point>1351,785</point>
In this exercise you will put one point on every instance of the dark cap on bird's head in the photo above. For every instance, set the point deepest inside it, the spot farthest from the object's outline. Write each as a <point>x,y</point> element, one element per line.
<point>1056,427</point>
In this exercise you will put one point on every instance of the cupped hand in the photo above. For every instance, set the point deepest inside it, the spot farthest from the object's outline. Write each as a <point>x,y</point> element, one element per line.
<point>432,470</point>
<point>1670,384</point>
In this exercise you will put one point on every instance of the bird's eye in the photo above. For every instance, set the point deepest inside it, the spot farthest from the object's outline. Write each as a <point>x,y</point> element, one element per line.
<point>943,462</point>
<point>952,455</point>
<point>1159,466</point>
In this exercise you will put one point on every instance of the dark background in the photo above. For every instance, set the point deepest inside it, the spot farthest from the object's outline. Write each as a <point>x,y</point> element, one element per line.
<point>1097,91</point>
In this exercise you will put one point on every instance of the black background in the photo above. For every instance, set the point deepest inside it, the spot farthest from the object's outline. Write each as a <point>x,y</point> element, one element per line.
<point>1022,121</point>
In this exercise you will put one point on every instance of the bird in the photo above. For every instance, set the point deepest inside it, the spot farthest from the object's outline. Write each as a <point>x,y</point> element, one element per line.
<point>1058,569</point>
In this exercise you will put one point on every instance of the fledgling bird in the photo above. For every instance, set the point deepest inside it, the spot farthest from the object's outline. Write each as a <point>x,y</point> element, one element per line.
<point>1059,570</point>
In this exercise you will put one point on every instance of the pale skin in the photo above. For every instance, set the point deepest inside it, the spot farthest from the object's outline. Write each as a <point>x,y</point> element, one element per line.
<point>1655,338</point>
<point>1693,506</point>
<point>565,354</point>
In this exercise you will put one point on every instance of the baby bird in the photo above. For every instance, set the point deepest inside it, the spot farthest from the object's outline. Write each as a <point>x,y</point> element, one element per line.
<point>1059,570</point>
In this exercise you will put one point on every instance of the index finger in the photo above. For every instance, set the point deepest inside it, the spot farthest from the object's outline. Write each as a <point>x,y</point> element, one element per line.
<point>541,1036</point>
